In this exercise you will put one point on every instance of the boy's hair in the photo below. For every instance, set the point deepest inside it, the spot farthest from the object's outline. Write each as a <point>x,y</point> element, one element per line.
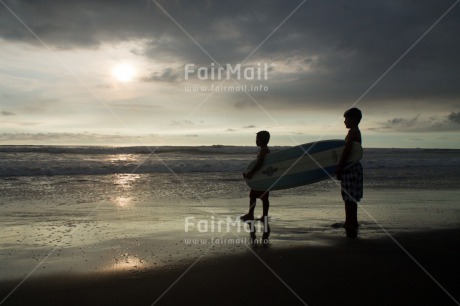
<point>354,113</point>
<point>264,136</point>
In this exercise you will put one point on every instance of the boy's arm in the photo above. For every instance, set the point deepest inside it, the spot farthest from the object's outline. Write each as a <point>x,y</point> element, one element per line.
<point>346,151</point>
<point>258,165</point>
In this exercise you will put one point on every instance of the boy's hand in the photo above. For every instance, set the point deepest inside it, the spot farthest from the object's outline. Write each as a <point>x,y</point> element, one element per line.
<point>339,172</point>
<point>339,176</point>
<point>248,175</point>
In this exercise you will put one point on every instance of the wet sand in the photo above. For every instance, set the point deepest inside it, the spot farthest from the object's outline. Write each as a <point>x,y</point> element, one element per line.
<point>114,241</point>
<point>338,272</point>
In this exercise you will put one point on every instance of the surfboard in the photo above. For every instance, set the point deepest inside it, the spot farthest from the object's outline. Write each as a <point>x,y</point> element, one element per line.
<point>301,165</point>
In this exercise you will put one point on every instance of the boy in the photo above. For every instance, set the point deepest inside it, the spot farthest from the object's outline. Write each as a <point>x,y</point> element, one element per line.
<point>262,139</point>
<point>352,178</point>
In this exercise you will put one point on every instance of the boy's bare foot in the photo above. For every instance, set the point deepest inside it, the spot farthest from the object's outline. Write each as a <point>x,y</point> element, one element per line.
<point>265,237</point>
<point>351,230</point>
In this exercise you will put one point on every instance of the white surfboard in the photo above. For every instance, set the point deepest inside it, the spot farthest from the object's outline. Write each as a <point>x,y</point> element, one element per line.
<point>301,165</point>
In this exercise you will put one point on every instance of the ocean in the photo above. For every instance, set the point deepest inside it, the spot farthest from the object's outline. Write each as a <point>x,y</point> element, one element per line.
<point>414,168</point>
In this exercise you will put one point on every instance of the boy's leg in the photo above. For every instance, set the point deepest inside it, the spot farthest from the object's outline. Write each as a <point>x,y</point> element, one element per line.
<point>266,206</point>
<point>353,214</point>
<point>250,217</point>
<point>351,211</point>
<point>252,205</point>
<point>347,214</point>
<point>351,218</point>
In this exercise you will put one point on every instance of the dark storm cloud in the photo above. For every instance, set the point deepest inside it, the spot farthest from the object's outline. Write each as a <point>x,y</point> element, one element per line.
<point>422,124</point>
<point>403,122</point>
<point>328,51</point>
<point>69,24</point>
<point>454,117</point>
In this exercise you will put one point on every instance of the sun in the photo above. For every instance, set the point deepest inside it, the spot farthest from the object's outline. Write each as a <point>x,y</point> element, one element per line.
<point>123,72</point>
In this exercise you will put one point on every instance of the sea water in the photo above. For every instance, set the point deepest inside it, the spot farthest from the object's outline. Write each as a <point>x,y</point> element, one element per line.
<point>383,167</point>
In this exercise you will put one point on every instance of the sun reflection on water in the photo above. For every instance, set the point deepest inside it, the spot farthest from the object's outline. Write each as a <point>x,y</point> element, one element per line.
<point>126,180</point>
<point>121,157</point>
<point>124,183</point>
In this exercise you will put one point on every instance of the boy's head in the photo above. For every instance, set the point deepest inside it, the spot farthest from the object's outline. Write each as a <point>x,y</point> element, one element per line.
<point>354,114</point>
<point>262,139</point>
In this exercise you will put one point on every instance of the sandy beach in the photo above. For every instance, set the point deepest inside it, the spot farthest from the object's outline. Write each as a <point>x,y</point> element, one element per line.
<point>121,243</point>
<point>338,272</point>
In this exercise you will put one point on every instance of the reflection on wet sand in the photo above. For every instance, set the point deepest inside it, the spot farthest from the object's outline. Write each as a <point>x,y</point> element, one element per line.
<point>127,262</point>
<point>124,202</point>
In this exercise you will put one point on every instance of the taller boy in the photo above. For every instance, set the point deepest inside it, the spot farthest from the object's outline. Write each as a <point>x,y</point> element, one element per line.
<point>351,178</point>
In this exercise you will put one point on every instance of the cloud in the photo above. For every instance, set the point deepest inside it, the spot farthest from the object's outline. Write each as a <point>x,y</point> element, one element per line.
<point>242,103</point>
<point>134,106</point>
<point>76,23</point>
<point>7,113</point>
<point>84,138</point>
<point>39,105</point>
<point>403,122</point>
<point>19,123</point>
<point>168,75</point>
<point>182,122</point>
<point>454,117</point>
<point>421,124</point>
<point>327,53</point>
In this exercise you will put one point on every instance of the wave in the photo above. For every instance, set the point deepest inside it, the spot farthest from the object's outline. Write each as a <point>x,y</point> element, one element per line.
<point>168,166</point>
<point>216,149</point>
<point>91,160</point>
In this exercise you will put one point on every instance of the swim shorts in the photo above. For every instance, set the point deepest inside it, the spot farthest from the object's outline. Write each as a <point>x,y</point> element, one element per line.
<point>352,183</point>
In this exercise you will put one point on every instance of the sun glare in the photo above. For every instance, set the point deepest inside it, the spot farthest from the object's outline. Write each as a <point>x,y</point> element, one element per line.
<point>123,72</point>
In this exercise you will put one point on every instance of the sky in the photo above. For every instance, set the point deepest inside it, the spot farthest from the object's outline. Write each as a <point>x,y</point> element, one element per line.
<point>139,72</point>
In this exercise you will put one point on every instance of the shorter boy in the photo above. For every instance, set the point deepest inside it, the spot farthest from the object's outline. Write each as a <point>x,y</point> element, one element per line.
<point>262,139</point>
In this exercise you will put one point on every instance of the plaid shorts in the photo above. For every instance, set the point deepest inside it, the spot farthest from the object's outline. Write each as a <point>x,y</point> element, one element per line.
<point>352,183</point>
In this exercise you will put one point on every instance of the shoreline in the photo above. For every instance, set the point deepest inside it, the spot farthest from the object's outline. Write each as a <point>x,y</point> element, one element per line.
<point>121,240</point>
<point>341,272</point>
